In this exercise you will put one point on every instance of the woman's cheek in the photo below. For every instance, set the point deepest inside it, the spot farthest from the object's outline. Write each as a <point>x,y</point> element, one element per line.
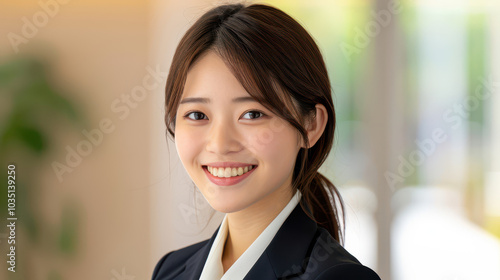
<point>261,138</point>
<point>273,144</point>
<point>284,147</point>
<point>186,142</point>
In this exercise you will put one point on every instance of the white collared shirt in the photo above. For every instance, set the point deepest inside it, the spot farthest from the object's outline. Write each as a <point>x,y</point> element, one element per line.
<point>213,269</point>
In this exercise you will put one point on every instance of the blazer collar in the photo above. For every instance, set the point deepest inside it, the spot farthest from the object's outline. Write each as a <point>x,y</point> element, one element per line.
<point>290,247</point>
<point>279,257</point>
<point>195,264</point>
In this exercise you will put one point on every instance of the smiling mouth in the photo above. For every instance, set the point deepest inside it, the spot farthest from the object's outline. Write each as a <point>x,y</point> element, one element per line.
<point>229,176</point>
<point>228,172</point>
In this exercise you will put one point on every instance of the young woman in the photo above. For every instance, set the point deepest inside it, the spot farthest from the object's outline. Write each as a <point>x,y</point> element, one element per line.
<point>248,103</point>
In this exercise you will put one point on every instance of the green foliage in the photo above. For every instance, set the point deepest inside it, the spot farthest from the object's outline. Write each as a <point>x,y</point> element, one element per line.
<point>31,106</point>
<point>54,275</point>
<point>68,232</point>
<point>29,98</point>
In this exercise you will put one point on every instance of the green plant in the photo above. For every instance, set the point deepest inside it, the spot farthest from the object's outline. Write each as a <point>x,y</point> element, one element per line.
<point>31,107</point>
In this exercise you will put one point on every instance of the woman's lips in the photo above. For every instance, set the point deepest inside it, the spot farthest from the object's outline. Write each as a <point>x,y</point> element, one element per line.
<point>229,181</point>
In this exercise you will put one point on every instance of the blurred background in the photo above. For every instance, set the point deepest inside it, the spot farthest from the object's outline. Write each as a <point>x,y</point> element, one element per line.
<point>101,194</point>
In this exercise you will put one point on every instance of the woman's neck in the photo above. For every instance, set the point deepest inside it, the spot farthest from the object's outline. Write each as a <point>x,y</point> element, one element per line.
<point>246,225</point>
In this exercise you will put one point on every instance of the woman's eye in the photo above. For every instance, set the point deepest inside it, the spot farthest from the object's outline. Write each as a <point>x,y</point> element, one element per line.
<point>196,116</point>
<point>253,115</point>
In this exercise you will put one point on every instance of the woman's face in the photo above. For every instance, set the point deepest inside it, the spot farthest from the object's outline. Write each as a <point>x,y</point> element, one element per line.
<point>234,149</point>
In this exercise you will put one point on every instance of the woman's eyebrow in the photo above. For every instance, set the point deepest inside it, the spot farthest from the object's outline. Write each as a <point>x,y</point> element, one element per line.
<point>207,100</point>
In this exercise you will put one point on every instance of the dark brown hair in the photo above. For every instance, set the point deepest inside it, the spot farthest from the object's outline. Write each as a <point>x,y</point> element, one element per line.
<point>279,64</point>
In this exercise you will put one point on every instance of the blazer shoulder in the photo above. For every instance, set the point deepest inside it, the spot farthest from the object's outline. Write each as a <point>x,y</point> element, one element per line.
<point>337,254</point>
<point>348,271</point>
<point>335,262</point>
<point>176,259</point>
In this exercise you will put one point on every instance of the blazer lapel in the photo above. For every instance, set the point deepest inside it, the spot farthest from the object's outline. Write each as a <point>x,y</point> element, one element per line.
<point>194,265</point>
<point>287,253</point>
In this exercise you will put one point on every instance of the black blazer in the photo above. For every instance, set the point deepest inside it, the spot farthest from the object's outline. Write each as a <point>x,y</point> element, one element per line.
<point>300,250</point>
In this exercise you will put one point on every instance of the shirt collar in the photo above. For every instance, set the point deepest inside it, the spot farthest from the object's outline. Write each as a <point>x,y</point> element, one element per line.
<point>213,266</point>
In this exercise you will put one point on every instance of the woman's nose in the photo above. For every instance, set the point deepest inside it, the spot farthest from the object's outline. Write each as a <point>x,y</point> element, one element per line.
<point>223,138</point>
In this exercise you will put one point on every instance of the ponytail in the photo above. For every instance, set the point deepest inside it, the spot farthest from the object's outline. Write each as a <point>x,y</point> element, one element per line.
<point>321,200</point>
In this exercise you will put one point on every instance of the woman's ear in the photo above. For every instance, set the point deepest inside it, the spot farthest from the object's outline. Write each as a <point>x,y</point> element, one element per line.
<point>315,125</point>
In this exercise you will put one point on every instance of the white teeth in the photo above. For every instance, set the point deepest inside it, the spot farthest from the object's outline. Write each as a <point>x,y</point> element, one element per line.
<point>227,172</point>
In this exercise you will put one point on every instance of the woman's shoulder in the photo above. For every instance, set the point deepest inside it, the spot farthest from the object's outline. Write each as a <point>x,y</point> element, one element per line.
<point>176,260</point>
<point>348,271</point>
<point>302,249</point>
<point>329,260</point>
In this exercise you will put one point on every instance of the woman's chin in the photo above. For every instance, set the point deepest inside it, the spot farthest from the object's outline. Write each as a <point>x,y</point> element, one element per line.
<point>225,206</point>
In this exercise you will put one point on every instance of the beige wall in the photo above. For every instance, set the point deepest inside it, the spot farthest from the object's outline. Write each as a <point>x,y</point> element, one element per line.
<point>99,50</point>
